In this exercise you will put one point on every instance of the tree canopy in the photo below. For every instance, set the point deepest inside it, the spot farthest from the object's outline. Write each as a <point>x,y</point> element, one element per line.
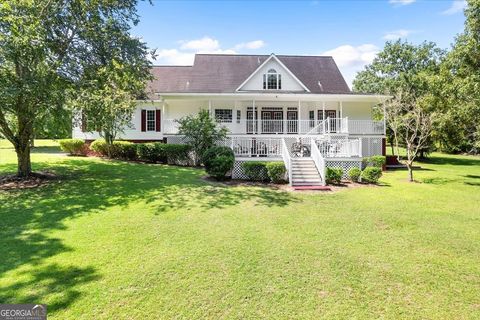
<point>48,48</point>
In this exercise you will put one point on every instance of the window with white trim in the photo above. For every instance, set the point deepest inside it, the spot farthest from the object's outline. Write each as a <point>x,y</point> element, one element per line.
<point>272,80</point>
<point>223,115</point>
<point>150,119</point>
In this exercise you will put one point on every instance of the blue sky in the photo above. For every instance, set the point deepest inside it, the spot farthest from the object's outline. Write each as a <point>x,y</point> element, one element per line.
<point>352,31</point>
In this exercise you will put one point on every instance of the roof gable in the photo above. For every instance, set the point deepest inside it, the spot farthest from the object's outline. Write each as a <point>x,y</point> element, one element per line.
<point>217,73</point>
<point>289,81</point>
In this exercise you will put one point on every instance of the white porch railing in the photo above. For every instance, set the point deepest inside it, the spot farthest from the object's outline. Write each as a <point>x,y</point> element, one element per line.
<point>287,160</point>
<point>317,157</point>
<point>304,127</point>
<point>366,127</point>
<point>341,148</point>
<point>256,147</point>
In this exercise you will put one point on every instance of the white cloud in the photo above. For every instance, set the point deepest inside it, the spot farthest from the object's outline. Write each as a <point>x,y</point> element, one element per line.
<point>351,59</point>
<point>347,55</point>
<point>397,34</point>
<point>185,54</point>
<point>456,7</point>
<point>252,45</point>
<point>174,57</point>
<point>401,2</point>
<point>204,44</point>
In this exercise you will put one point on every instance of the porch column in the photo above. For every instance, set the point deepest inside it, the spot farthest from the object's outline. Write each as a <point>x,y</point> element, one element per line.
<point>323,113</point>
<point>340,122</point>
<point>299,116</point>
<point>254,118</point>
<point>162,123</point>
<point>210,108</point>
<point>234,117</point>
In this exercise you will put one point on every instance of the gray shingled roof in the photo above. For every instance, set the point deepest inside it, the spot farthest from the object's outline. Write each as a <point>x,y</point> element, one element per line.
<point>217,73</point>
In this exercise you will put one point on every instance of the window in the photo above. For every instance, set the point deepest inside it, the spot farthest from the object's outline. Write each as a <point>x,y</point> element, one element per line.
<point>272,80</point>
<point>223,115</point>
<point>311,117</point>
<point>239,115</point>
<point>150,120</point>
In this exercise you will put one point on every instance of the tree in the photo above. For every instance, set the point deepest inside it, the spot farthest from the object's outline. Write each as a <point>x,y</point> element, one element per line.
<point>201,132</point>
<point>45,47</point>
<point>114,77</point>
<point>401,67</point>
<point>411,123</point>
<point>458,95</point>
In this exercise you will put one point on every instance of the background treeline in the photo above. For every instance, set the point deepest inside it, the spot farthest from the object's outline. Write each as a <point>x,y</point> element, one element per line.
<point>443,84</point>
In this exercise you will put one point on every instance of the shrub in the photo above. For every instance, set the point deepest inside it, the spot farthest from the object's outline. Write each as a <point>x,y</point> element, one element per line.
<point>255,170</point>
<point>73,146</point>
<point>99,146</point>
<point>374,161</point>
<point>124,150</point>
<point>334,175</point>
<point>152,152</point>
<point>371,174</point>
<point>218,161</point>
<point>178,154</point>
<point>276,171</point>
<point>354,174</point>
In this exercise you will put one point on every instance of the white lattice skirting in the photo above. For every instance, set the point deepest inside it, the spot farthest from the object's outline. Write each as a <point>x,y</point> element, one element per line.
<point>345,165</point>
<point>239,173</point>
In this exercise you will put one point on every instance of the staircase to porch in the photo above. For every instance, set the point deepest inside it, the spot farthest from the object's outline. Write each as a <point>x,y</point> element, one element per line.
<point>305,173</point>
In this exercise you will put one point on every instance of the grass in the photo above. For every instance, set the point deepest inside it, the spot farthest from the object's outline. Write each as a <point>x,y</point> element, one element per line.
<point>135,241</point>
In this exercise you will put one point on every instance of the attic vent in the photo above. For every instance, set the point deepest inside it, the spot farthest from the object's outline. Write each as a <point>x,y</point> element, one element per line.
<point>320,85</point>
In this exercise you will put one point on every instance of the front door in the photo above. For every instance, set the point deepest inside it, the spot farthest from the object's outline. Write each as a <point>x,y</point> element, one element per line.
<point>332,114</point>
<point>292,121</point>
<point>272,121</point>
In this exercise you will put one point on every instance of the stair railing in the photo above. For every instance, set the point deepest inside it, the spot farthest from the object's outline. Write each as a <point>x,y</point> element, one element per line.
<point>318,158</point>
<point>287,160</point>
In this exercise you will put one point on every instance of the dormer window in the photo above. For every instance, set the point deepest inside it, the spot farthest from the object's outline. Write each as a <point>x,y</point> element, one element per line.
<point>272,80</point>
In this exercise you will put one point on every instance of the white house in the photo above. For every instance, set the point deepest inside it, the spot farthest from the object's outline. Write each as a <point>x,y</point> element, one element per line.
<point>296,109</point>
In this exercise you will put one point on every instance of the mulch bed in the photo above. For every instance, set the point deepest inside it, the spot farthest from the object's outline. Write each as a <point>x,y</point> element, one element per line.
<point>37,179</point>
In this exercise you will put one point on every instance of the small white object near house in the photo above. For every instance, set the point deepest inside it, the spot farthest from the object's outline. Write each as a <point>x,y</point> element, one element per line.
<point>295,109</point>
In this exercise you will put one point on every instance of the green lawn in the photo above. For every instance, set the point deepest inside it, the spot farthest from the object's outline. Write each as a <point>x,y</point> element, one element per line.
<point>133,241</point>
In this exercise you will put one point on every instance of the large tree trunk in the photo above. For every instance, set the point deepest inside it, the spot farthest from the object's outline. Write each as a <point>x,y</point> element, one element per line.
<point>24,166</point>
<point>22,144</point>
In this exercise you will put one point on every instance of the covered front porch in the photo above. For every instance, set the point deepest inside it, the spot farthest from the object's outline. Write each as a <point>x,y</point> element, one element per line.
<point>279,114</point>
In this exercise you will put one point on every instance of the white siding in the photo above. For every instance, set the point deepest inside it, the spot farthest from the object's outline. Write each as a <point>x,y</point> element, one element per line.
<point>289,83</point>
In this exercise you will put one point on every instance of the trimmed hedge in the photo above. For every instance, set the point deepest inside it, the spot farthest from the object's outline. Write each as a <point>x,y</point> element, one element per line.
<point>375,161</point>
<point>73,146</point>
<point>276,171</point>
<point>178,154</point>
<point>124,150</point>
<point>151,152</point>
<point>354,174</point>
<point>218,161</point>
<point>371,174</point>
<point>99,146</point>
<point>334,175</point>
<point>255,170</point>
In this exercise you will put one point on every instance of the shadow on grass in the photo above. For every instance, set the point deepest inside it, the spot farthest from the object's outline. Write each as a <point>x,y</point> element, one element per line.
<point>46,280</point>
<point>49,149</point>
<point>90,187</point>
<point>442,160</point>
